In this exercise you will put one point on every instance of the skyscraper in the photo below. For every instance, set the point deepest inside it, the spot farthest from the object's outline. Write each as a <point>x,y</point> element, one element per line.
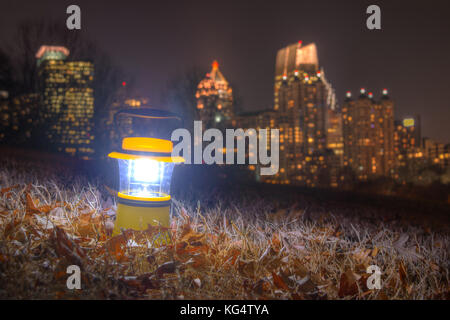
<point>68,101</point>
<point>19,116</point>
<point>407,144</point>
<point>303,99</point>
<point>368,129</point>
<point>215,99</point>
<point>304,112</point>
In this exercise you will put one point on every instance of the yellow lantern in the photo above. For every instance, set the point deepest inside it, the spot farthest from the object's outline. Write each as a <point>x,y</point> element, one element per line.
<point>145,172</point>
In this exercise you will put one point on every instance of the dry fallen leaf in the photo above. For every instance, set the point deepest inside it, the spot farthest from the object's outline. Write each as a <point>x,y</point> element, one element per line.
<point>374,252</point>
<point>402,274</point>
<point>168,267</point>
<point>348,285</point>
<point>279,282</point>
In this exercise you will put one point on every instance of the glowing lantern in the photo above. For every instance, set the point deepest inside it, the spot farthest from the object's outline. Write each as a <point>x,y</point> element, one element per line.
<point>145,172</point>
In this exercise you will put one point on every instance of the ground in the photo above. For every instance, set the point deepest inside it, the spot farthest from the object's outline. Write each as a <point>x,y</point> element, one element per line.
<point>246,242</point>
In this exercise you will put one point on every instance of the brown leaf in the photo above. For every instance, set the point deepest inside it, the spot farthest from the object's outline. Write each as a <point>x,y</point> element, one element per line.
<point>297,296</point>
<point>30,205</point>
<point>279,282</point>
<point>261,287</point>
<point>66,248</point>
<point>116,246</point>
<point>7,190</point>
<point>276,243</point>
<point>348,285</point>
<point>132,282</point>
<point>199,260</point>
<point>234,254</point>
<point>434,266</point>
<point>403,275</point>
<point>192,237</point>
<point>374,252</point>
<point>168,267</point>
<point>60,274</point>
<point>247,268</point>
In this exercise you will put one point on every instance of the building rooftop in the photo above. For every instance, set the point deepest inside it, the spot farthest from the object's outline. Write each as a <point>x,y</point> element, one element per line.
<point>295,57</point>
<point>51,53</point>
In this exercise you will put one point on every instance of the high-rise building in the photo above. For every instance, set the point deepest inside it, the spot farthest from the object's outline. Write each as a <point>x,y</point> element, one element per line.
<point>368,130</point>
<point>19,116</point>
<point>303,99</point>
<point>215,99</point>
<point>304,112</point>
<point>409,155</point>
<point>25,117</point>
<point>67,100</point>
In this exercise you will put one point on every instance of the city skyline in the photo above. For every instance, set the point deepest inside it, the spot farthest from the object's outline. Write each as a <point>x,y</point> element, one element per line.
<point>320,143</point>
<point>408,56</point>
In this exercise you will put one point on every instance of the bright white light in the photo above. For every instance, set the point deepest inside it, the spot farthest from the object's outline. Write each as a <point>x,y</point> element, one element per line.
<point>146,170</point>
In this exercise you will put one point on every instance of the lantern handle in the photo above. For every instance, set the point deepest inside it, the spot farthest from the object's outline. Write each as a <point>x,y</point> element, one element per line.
<point>147,113</point>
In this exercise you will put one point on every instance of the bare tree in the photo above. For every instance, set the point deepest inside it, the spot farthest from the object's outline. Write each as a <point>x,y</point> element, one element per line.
<point>6,80</point>
<point>179,95</point>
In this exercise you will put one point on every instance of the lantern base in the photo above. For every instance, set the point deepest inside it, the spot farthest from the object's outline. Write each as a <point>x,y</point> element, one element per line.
<point>138,216</point>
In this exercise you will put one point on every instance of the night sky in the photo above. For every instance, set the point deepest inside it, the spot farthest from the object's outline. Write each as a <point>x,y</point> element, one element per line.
<point>155,40</point>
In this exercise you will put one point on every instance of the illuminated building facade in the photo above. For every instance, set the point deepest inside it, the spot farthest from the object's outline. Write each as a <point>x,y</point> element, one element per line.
<point>215,100</point>
<point>5,121</point>
<point>265,119</point>
<point>25,116</point>
<point>335,143</point>
<point>19,117</point>
<point>436,153</point>
<point>368,131</point>
<point>409,155</point>
<point>304,112</point>
<point>407,140</point>
<point>68,101</point>
<point>303,99</point>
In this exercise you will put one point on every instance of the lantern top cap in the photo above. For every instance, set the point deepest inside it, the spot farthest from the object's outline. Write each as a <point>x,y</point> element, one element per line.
<point>142,144</point>
<point>143,147</point>
<point>130,156</point>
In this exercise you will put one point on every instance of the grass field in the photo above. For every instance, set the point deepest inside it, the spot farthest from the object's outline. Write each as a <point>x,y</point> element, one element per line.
<point>242,245</point>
